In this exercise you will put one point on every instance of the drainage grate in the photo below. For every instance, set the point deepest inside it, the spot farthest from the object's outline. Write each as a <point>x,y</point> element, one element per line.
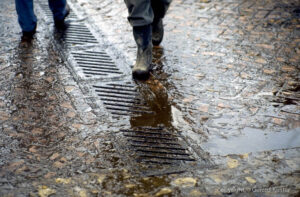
<point>122,99</point>
<point>157,146</point>
<point>72,16</point>
<point>78,34</point>
<point>153,145</point>
<point>46,9</point>
<point>95,63</point>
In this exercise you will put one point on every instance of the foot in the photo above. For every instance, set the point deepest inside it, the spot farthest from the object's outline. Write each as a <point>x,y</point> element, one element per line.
<point>142,75</point>
<point>60,24</point>
<point>157,32</point>
<point>28,35</point>
<point>142,67</point>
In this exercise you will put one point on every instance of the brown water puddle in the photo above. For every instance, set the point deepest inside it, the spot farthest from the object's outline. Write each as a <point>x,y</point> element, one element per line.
<point>253,140</point>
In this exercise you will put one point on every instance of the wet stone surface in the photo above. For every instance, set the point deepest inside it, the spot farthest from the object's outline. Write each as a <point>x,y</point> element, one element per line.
<point>59,136</point>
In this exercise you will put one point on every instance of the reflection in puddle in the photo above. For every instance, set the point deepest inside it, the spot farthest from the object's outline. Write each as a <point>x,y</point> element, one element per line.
<point>156,96</point>
<point>253,140</point>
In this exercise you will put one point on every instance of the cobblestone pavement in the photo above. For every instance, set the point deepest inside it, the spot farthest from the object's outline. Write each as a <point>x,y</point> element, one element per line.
<point>241,59</point>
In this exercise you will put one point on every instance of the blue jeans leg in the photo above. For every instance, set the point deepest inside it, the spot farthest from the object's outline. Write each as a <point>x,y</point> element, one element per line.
<point>58,8</point>
<point>26,16</point>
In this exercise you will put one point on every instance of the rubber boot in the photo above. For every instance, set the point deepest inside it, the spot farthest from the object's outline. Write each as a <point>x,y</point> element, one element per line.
<point>157,31</point>
<point>142,67</point>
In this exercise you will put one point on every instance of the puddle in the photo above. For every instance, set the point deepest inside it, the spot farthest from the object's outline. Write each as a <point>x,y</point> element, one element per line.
<point>253,140</point>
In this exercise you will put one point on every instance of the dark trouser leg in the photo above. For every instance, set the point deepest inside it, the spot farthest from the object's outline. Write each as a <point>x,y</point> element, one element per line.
<point>58,8</point>
<point>26,16</point>
<point>160,8</point>
<point>140,12</point>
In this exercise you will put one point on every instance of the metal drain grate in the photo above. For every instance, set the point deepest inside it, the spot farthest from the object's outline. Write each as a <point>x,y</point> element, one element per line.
<point>46,9</point>
<point>121,99</point>
<point>157,146</point>
<point>78,34</point>
<point>72,16</point>
<point>95,63</point>
<point>154,146</point>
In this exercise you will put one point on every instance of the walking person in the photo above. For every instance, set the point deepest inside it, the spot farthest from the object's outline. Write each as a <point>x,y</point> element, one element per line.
<point>28,21</point>
<point>146,19</point>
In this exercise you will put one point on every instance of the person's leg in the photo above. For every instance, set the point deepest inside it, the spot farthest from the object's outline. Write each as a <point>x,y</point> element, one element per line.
<point>160,8</point>
<point>140,17</point>
<point>60,10</point>
<point>26,16</point>
<point>142,37</point>
<point>140,12</point>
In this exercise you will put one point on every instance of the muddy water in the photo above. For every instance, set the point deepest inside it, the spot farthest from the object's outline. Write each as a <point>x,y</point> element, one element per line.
<point>253,140</point>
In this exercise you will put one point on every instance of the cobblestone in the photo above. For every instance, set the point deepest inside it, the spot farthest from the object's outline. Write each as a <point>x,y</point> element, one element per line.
<point>240,57</point>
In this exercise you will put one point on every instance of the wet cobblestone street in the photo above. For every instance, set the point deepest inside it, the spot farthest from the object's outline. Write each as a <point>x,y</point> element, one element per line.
<point>220,114</point>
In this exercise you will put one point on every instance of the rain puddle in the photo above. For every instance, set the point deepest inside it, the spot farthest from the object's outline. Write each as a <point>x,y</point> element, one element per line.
<point>253,140</point>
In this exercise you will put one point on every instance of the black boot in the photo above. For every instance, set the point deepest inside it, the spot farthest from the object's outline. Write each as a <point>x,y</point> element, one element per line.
<point>142,67</point>
<point>28,35</point>
<point>157,31</point>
